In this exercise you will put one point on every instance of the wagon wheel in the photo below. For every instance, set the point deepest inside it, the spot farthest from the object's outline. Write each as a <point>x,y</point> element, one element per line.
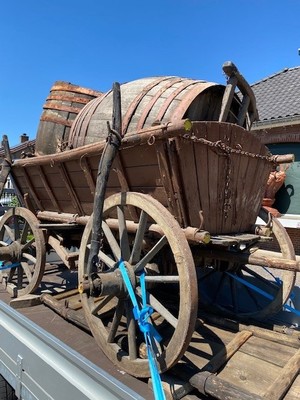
<point>19,234</point>
<point>251,292</point>
<point>170,282</point>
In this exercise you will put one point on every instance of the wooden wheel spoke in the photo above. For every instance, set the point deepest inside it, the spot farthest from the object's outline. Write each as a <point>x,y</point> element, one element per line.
<point>131,328</point>
<point>99,305</point>
<point>114,246</point>
<point>233,290</point>
<point>161,309</point>
<point>29,257</point>
<point>27,270</point>
<point>24,232</point>
<point>124,241</point>
<point>19,278</point>
<point>20,227</point>
<point>16,228</point>
<point>28,244</point>
<point>149,256</point>
<point>11,273</point>
<point>269,284</point>
<point>116,321</point>
<point>138,241</point>
<point>250,292</point>
<point>106,259</point>
<point>206,274</point>
<point>112,321</point>
<point>219,288</point>
<point>162,278</point>
<point>9,232</point>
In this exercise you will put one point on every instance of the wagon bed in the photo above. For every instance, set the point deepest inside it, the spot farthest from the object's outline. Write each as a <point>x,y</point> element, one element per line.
<point>200,175</point>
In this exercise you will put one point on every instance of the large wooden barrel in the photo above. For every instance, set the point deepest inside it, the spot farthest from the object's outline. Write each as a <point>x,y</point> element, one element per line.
<point>59,111</point>
<point>150,101</point>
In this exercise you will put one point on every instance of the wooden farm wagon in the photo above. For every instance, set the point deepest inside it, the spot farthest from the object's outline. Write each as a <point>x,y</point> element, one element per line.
<point>182,199</point>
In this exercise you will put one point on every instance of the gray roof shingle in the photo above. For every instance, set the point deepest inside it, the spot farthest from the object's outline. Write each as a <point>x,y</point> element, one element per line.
<point>278,96</point>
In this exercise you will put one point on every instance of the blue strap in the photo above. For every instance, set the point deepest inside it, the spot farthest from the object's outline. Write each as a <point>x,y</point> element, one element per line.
<point>5,266</point>
<point>262,292</point>
<point>150,333</point>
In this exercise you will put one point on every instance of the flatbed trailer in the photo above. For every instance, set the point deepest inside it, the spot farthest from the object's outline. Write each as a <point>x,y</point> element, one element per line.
<point>37,365</point>
<point>225,359</point>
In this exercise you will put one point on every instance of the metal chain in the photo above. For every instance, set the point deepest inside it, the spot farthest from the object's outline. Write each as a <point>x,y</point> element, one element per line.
<point>225,149</point>
<point>227,191</point>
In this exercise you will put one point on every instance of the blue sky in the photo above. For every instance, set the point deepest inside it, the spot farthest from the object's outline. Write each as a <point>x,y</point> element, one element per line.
<point>93,43</point>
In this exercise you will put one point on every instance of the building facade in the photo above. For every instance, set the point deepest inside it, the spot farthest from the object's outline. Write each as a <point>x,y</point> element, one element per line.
<point>278,104</point>
<point>8,194</point>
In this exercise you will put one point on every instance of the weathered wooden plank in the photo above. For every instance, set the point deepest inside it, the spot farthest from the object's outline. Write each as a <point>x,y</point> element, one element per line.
<point>200,154</point>
<point>210,215</point>
<point>164,169</point>
<point>250,373</point>
<point>187,162</point>
<point>31,190</point>
<point>294,391</point>
<point>283,382</point>
<point>177,181</point>
<point>48,188</point>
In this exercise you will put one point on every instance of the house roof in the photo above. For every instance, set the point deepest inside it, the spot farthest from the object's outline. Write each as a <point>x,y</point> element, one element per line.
<point>19,147</point>
<point>278,95</point>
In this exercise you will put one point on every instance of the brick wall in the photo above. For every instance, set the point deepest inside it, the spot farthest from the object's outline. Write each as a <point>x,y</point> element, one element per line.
<point>294,235</point>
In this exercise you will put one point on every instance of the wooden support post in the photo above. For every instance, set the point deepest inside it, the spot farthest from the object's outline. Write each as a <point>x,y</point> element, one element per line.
<point>227,98</point>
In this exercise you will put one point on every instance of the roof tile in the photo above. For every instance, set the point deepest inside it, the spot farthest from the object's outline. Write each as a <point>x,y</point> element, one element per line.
<point>278,95</point>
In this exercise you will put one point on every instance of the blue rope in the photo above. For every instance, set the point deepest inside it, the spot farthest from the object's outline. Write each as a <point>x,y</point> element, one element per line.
<point>150,333</point>
<point>262,292</point>
<point>5,266</point>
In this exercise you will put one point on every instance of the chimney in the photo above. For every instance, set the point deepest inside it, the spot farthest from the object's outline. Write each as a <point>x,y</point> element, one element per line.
<point>24,138</point>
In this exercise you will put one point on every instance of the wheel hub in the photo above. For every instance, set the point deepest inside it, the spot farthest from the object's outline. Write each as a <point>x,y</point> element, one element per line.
<point>12,252</point>
<point>108,283</point>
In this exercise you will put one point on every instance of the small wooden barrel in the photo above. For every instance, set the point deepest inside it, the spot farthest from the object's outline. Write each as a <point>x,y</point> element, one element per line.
<point>147,102</point>
<point>61,108</point>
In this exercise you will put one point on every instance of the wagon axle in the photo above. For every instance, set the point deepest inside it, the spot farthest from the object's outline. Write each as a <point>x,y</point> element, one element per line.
<point>107,283</point>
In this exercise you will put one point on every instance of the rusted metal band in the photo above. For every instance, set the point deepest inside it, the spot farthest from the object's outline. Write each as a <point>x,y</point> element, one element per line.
<point>68,87</point>
<point>55,120</point>
<point>71,99</point>
<point>171,98</point>
<point>82,121</point>
<point>60,107</point>
<point>134,104</point>
<point>192,94</point>
<point>154,99</point>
